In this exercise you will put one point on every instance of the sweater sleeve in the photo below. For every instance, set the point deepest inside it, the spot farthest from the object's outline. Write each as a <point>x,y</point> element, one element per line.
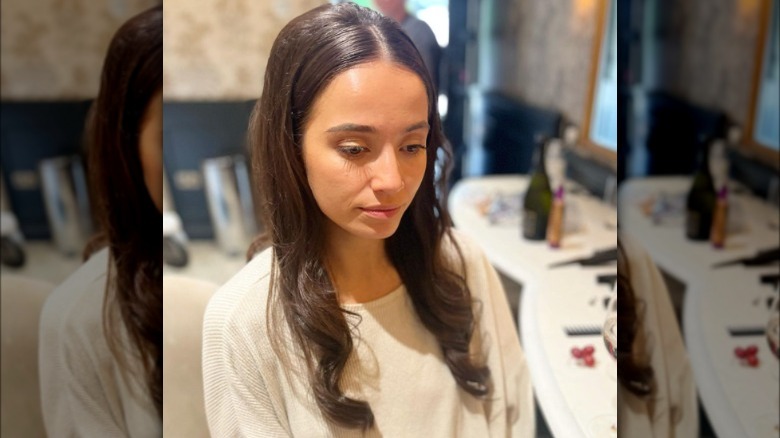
<point>73,384</point>
<point>512,406</point>
<point>520,420</point>
<point>680,387</point>
<point>237,398</point>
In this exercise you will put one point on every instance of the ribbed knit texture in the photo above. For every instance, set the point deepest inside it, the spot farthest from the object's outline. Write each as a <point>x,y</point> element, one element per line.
<point>396,366</point>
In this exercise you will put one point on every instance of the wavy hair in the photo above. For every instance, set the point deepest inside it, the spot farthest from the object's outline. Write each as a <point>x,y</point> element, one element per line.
<point>127,218</point>
<point>636,376</point>
<point>306,55</point>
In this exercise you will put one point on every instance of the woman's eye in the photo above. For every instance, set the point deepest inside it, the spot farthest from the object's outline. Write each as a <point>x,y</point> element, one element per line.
<point>352,151</point>
<point>413,148</point>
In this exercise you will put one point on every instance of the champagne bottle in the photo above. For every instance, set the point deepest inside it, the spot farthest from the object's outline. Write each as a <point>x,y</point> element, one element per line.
<point>538,197</point>
<point>700,205</point>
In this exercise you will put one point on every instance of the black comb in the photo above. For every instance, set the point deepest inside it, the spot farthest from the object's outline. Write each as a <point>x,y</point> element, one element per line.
<point>746,331</point>
<point>582,330</point>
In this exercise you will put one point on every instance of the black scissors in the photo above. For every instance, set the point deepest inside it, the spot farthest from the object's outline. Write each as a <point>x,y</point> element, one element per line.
<point>763,257</point>
<point>601,257</point>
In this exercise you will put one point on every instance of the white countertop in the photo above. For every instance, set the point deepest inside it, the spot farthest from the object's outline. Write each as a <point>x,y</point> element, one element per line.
<point>686,259</point>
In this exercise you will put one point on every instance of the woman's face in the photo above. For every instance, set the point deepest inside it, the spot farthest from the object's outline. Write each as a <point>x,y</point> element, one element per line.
<point>364,148</point>
<point>150,149</point>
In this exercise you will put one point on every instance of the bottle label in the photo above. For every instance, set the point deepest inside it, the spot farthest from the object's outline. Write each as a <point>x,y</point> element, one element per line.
<point>534,225</point>
<point>692,221</point>
<point>698,224</point>
<point>718,228</point>
<point>554,224</point>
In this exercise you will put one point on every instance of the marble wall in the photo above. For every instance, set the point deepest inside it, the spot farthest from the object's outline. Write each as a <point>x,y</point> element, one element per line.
<point>217,49</point>
<point>705,51</point>
<point>54,49</point>
<point>541,51</point>
<point>214,49</point>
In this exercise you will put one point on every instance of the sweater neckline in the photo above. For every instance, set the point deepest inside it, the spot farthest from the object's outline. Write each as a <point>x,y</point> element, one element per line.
<point>381,301</point>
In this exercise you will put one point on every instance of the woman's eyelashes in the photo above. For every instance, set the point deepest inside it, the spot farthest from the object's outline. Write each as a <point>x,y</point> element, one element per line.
<point>414,148</point>
<point>352,151</point>
<point>357,151</point>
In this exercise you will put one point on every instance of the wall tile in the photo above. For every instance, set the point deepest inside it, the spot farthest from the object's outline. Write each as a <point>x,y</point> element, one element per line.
<point>54,49</point>
<point>217,49</point>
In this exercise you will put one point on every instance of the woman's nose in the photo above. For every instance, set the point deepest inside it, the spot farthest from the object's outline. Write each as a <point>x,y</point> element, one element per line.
<point>386,174</point>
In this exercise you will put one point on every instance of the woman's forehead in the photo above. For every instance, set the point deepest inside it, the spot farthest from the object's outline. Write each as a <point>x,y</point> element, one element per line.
<point>370,93</point>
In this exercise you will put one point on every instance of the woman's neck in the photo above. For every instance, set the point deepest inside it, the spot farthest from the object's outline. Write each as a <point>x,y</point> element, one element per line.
<point>359,268</point>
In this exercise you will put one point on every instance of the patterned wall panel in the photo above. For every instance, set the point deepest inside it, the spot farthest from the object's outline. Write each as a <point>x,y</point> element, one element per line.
<point>545,50</point>
<point>217,49</point>
<point>707,51</point>
<point>54,49</point>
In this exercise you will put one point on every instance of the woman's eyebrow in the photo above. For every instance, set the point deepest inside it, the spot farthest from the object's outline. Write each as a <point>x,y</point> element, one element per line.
<point>351,127</point>
<point>354,127</point>
<point>418,125</point>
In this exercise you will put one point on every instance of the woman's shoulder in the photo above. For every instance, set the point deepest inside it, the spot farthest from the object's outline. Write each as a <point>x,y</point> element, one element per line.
<point>630,245</point>
<point>467,258</point>
<point>75,358</point>
<point>239,306</point>
<point>636,255</point>
<point>77,303</point>
<point>456,244</point>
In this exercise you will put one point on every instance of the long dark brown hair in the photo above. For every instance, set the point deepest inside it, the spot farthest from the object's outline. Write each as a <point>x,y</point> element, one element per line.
<point>306,55</point>
<point>128,220</point>
<point>633,372</point>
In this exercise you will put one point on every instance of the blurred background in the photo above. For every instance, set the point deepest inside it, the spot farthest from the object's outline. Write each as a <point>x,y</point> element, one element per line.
<point>50,67</point>
<point>698,162</point>
<point>696,69</point>
<point>52,55</point>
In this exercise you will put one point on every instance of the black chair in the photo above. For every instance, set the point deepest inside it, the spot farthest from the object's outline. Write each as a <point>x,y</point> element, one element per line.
<point>675,127</point>
<point>31,132</point>
<point>193,132</point>
<point>511,127</point>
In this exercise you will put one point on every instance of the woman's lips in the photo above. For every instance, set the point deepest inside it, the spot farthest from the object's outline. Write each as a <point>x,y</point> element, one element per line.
<point>381,212</point>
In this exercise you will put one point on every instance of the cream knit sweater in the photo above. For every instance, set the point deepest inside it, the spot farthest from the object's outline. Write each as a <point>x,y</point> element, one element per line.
<point>396,366</point>
<point>83,391</point>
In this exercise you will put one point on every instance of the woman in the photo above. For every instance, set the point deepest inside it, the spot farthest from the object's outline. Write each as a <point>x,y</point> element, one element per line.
<point>656,394</point>
<point>101,330</point>
<point>368,314</point>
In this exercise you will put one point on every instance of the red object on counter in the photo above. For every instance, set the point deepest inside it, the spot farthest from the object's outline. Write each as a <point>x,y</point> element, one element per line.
<point>584,355</point>
<point>748,355</point>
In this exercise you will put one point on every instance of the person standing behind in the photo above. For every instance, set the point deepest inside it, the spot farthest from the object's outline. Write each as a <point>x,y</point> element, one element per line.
<point>420,33</point>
